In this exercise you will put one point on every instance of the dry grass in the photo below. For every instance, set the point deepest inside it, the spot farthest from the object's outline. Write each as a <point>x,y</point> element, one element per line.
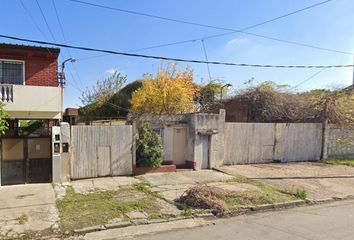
<point>205,197</point>
<point>221,200</point>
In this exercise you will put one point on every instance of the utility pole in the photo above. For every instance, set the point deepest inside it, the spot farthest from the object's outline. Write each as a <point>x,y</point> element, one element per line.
<point>61,82</point>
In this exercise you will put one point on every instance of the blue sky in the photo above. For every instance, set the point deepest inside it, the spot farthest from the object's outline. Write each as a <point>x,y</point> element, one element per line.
<point>329,25</point>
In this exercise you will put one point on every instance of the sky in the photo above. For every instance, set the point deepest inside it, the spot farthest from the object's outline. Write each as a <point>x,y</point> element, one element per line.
<point>329,25</point>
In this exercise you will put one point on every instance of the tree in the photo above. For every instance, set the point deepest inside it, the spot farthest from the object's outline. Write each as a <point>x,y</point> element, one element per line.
<point>149,151</point>
<point>171,91</point>
<point>96,100</point>
<point>208,94</point>
<point>104,89</point>
<point>3,122</point>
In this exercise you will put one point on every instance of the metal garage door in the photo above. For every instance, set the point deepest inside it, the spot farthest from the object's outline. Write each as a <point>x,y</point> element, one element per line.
<point>26,160</point>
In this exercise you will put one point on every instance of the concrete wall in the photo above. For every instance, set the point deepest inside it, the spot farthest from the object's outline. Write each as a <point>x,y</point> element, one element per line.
<point>298,141</point>
<point>247,143</point>
<point>339,142</point>
<point>33,102</point>
<point>212,125</point>
<point>88,144</point>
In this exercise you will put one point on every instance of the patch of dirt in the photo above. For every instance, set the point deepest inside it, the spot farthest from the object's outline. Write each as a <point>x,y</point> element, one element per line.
<point>168,209</point>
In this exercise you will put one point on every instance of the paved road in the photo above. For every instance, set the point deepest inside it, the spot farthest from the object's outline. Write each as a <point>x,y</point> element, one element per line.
<point>332,221</point>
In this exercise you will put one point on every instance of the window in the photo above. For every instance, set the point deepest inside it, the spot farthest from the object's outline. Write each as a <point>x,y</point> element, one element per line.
<point>11,72</point>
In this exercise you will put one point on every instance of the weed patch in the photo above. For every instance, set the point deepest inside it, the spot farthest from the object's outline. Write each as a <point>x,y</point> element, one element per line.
<point>22,219</point>
<point>298,193</point>
<point>346,162</point>
<point>97,208</point>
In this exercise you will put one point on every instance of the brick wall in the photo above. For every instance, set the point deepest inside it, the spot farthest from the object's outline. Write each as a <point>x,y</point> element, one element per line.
<point>40,66</point>
<point>41,72</point>
<point>237,111</point>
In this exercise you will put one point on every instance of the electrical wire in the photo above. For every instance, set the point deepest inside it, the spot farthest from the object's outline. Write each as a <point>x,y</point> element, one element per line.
<point>308,79</point>
<point>206,59</point>
<point>194,23</point>
<point>52,35</point>
<point>45,20</point>
<point>173,59</point>
<point>230,30</point>
<point>35,23</point>
<point>64,37</point>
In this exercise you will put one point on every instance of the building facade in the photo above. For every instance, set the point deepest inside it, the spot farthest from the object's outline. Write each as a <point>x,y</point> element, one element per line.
<point>30,95</point>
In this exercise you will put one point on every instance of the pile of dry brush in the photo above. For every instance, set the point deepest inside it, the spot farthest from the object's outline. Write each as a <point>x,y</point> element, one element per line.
<point>205,197</point>
<point>271,103</point>
<point>214,198</point>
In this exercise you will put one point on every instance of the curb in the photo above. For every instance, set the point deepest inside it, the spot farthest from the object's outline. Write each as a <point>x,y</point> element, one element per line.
<point>137,222</point>
<point>241,211</point>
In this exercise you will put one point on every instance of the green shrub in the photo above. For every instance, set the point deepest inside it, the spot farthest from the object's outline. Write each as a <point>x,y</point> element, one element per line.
<point>149,151</point>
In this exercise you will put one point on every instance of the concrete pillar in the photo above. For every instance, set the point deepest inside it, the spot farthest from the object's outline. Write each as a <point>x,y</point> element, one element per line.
<point>61,153</point>
<point>56,150</point>
<point>65,152</point>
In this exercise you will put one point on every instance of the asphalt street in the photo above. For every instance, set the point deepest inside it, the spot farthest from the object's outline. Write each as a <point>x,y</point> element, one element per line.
<point>329,221</point>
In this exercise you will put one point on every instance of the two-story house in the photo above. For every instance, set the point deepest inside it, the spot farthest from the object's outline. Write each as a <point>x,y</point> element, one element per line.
<point>31,96</point>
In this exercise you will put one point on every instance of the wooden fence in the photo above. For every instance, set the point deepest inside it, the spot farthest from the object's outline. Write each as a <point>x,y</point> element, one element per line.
<point>101,151</point>
<point>247,143</point>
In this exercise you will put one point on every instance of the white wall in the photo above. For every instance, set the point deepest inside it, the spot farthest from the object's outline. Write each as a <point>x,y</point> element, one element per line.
<point>35,102</point>
<point>168,143</point>
<point>264,142</point>
<point>85,144</point>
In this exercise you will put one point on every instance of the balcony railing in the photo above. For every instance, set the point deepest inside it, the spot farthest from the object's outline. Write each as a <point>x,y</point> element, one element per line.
<point>6,93</point>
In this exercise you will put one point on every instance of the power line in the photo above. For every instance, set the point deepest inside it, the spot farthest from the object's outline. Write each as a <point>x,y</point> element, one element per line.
<point>45,20</point>
<point>32,19</point>
<point>308,79</point>
<point>173,59</point>
<point>51,33</point>
<point>139,49</point>
<point>64,37</point>
<point>206,59</point>
<point>194,23</point>
<point>35,23</point>
<point>230,30</point>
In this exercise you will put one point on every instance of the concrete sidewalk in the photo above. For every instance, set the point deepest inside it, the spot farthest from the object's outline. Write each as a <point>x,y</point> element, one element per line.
<point>27,207</point>
<point>104,183</point>
<point>172,185</point>
<point>321,181</point>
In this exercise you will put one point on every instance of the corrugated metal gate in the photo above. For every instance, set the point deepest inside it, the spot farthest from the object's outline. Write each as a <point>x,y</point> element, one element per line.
<point>26,160</point>
<point>101,151</point>
<point>247,143</point>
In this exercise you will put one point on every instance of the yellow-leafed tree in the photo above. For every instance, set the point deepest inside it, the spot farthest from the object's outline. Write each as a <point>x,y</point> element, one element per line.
<point>171,91</point>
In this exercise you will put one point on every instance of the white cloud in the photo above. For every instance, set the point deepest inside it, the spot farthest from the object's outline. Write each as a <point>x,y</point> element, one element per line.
<point>110,71</point>
<point>113,70</point>
<point>238,41</point>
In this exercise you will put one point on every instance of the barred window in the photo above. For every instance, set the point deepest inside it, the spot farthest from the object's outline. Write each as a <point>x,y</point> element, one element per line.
<point>11,72</point>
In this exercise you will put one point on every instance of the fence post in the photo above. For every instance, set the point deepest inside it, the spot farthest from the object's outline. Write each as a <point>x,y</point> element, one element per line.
<point>134,133</point>
<point>66,151</point>
<point>324,152</point>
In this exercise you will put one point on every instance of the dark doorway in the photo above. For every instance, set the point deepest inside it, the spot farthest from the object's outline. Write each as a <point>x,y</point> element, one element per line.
<point>26,160</point>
